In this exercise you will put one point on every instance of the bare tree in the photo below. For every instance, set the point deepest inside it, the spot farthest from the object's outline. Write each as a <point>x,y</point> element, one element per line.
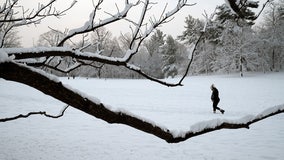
<point>12,39</point>
<point>273,32</point>
<point>50,38</point>
<point>20,65</point>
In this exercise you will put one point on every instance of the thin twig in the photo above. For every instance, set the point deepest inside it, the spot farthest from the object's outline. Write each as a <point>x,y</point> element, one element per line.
<point>34,113</point>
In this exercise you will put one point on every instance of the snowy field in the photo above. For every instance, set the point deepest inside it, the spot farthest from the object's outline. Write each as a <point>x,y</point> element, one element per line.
<point>78,136</point>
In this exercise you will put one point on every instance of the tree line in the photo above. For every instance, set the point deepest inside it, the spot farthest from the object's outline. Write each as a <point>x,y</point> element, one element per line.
<point>229,45</point>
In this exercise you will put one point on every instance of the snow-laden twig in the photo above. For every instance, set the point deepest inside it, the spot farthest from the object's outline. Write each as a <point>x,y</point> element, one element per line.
<point>43,11</point>
<point>140,22</point>
<point>140,71</point>
<point>90,25</point>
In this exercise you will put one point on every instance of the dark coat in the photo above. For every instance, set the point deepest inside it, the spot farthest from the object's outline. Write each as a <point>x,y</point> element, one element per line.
<point>215,95</point>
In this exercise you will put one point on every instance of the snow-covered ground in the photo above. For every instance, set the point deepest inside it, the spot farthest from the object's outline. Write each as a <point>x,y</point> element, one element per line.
<point>78,136</point>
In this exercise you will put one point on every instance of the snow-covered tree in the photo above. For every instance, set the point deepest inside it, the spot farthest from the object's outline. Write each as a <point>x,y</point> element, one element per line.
<point>153,46</point>
<point>239,10</point>
<point>192,31</point>
<point>273,34</point>
<point>228,42</point>
<point>233,48</point>
<point>169,53</point>
<point>205,50</point>
<point>155,42</point>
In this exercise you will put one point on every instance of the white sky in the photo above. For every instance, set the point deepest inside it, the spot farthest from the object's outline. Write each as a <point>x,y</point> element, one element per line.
<point>79,14</point>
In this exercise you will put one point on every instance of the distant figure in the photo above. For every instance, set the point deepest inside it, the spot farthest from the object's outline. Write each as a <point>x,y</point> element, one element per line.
<point>215,99</point>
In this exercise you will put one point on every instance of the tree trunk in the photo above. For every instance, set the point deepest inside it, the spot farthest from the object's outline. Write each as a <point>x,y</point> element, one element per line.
<point>241,66</point>
<point>273,60</point>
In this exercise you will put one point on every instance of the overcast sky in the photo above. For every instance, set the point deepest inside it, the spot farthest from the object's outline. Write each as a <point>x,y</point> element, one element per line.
<point>79,14</point>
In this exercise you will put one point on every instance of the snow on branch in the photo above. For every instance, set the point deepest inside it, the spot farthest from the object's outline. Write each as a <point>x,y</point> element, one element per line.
<point>164,18</point>
<point>217,124</point>
<point>28,53</point>
<point>44,10</point>
<point>91,25</point>
<point>139,71</point>
<point>34,113</point>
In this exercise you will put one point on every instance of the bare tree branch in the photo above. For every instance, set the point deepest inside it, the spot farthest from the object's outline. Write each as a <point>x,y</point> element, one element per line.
<point>139,71</point>
<point>263,6</point>
<point>34,113</point>
<point>192,56</point>
<point>44,10</point>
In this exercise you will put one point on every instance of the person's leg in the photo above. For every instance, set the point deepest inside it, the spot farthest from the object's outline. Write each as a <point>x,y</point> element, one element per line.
<point>215,103</point>
<point>221,110</point>
<point>214,110</point>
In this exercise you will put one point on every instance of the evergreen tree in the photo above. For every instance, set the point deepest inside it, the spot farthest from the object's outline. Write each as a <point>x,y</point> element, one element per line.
<point>239,9</point>
<point>169,51</point>
<point>156,41</point>
<point>153,46</point>
<point>192,31</point>
<point>233,39</point>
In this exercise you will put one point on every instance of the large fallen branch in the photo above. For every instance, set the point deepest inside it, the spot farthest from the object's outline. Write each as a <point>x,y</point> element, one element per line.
<point>53,87</point>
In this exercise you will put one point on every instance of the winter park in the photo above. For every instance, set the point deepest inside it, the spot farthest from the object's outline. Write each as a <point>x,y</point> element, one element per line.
<point>141,79</point>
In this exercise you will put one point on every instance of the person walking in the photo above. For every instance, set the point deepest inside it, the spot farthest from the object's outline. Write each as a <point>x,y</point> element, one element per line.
<point>215,99</point>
